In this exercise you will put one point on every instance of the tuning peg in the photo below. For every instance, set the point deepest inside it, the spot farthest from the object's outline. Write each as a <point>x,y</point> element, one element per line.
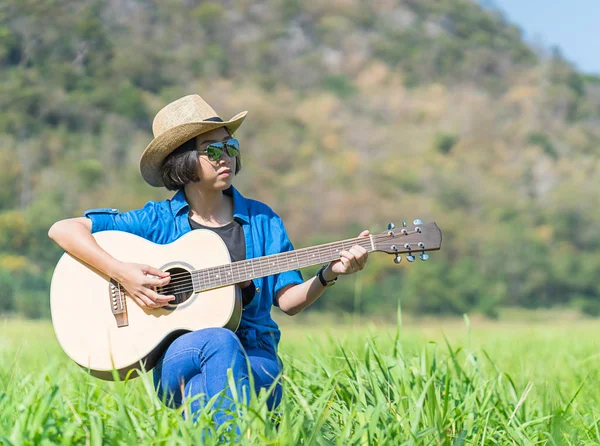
<point>410,258</point>
<point>423,256</point>
<point>397,259</point>
<point>404,223</point>
<point>391,226</point>
<point>417,222</point>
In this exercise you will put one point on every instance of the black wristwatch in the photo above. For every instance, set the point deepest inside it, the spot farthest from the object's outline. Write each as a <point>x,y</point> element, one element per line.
<point>324,282</point>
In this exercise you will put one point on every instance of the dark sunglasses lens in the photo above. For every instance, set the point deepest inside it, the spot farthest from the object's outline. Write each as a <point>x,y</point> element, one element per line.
<point>214,151</point>
<point>233,147</point>
<point>232,151</point>
<point>233,143</point>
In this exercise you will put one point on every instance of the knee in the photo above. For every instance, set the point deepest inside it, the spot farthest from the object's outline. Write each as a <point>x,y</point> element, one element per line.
<point>208,344</point>
<point>222,338</point>
<point>223,350</point>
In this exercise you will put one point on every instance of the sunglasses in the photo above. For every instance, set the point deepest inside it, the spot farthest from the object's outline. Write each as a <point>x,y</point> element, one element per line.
<point>215,150</point>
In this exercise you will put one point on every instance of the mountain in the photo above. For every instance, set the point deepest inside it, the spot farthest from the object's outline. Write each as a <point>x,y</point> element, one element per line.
<point>360,113</point>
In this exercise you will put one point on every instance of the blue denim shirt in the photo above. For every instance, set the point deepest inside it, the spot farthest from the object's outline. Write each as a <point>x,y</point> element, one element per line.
<point>165,221</point>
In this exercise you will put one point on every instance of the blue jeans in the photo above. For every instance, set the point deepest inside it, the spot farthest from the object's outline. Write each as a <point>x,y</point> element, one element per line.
<point>197,363</point>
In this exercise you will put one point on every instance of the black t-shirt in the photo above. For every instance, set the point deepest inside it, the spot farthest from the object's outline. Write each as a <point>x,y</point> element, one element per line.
<point>233,236</point>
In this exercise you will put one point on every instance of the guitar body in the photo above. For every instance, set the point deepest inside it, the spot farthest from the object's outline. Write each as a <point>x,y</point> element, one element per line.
<point>102,336</point>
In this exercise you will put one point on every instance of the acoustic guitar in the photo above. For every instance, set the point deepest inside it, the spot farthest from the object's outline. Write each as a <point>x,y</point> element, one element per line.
<point>104,331</point>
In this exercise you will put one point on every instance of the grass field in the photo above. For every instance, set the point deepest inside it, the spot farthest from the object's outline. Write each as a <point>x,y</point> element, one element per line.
<point>432,382</point>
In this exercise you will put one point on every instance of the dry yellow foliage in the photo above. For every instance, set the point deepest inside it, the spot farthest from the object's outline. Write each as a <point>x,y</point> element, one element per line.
<point>317,111</point>
<point>545,233</point>
<point>13,263</point>
<point>373,76</point>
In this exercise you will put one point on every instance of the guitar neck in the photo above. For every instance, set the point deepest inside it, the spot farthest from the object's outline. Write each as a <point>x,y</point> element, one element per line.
<point>236,272</point>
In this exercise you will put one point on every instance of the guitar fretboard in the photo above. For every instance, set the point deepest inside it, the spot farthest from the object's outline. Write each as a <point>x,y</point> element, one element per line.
<point>236,272</point>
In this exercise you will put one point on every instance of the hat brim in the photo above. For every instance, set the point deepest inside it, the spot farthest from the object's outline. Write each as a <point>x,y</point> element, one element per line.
<point>160,147</point>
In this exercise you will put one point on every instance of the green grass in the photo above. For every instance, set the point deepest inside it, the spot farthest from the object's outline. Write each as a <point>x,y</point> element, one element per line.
<point>427,383</point>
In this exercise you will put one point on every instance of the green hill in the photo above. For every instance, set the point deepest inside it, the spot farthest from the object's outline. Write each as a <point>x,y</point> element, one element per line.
<point>360,113</point>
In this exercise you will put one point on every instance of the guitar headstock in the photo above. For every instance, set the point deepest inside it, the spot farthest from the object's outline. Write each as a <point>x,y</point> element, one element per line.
<point>415,239</point>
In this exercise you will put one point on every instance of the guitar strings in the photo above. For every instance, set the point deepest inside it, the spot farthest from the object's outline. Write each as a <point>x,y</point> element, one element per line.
<point>297,251</point>
<point>171,287</point>
<point>364,243</point>
<point>323,249</point>
<point>188,275</point>
<point>185,278</point>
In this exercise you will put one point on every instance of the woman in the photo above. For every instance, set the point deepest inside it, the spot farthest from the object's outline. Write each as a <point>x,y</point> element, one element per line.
<point>194,153</point>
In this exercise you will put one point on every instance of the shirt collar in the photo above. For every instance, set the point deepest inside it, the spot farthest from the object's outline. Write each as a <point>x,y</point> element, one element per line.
<point>178,202</point>
<point>240,204</point>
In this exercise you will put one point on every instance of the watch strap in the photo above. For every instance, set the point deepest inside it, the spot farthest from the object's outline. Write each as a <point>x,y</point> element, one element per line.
<point>324,282</point>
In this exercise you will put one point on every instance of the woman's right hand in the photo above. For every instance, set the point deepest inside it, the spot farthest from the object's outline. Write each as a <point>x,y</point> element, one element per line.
<point>140,283</point>
<point>74,235</point>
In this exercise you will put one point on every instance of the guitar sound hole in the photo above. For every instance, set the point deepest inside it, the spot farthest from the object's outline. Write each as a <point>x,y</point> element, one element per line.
<point>180,286</point>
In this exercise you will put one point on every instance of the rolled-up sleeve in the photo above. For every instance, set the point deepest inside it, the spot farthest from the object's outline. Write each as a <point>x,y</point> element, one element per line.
<point>140,222</point>
<point>103,219</point>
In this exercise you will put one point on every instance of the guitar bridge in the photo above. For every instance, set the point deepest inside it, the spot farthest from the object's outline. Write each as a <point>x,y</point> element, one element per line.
<point>118,304</point>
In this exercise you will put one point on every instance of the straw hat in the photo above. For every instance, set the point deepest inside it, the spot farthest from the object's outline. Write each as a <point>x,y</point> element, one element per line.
<point>177,123</point>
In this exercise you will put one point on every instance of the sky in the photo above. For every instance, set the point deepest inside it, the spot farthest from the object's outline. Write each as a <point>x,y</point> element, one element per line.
<point>572,25</point>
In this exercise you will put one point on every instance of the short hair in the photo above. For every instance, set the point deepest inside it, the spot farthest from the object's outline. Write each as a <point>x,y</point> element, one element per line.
<point>180,167</point>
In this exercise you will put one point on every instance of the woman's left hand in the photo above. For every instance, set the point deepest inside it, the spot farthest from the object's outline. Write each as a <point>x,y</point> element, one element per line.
<point>350,261</point>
